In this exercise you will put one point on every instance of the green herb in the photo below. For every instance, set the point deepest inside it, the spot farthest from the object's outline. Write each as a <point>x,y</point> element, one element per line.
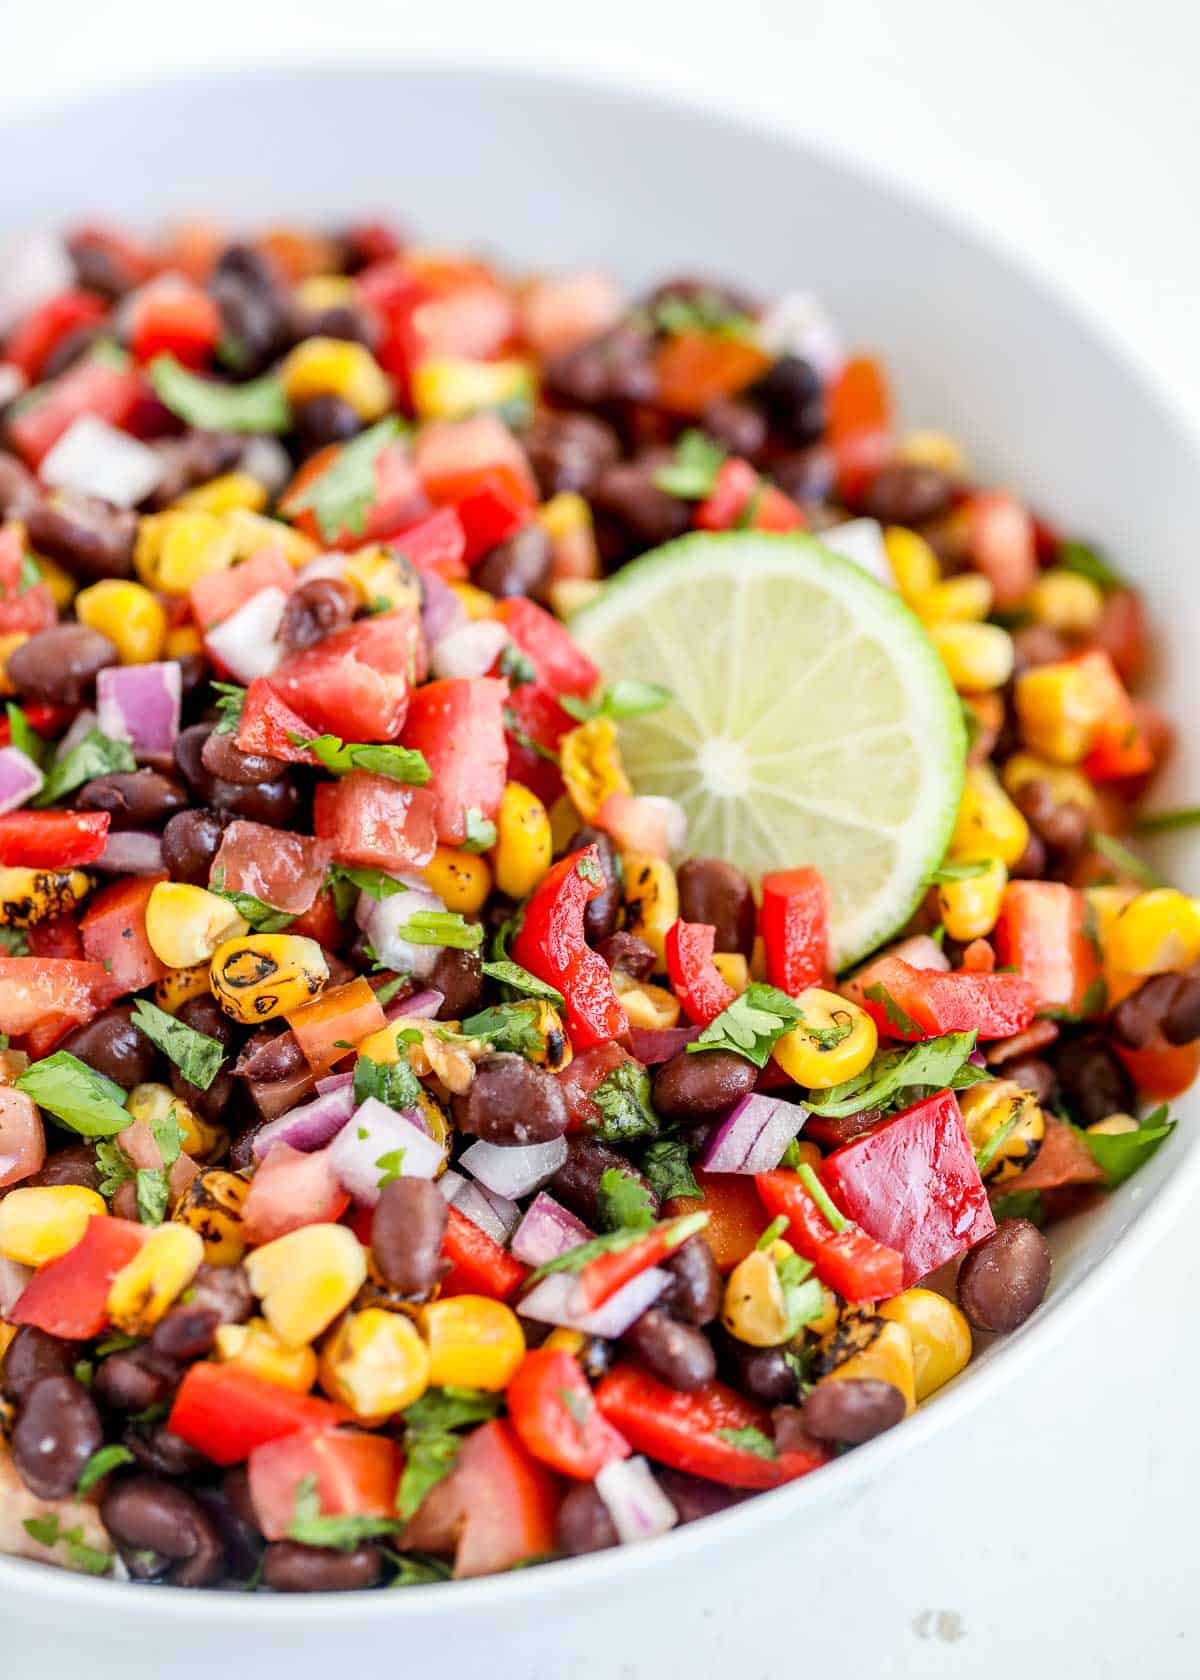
<point>505,934</point>
<point>791,1157</point>
<point>987,1152</point>
<point>414,1569</point>
<point>800,1361</point>
<point>519,979</point>
<point>624,1202</point>
<point>895,1016</point>
<point>260,405</point>
<point>704,311</point>
<point>24,736</point>
<point>385,993</point>
<point>1127,862</point>
<point>1082,558</point>
<point>589,870</point>
<point>230,701</point>
<point>623,1098</point>
<point>48,1531</point>
<point>341,496</point>
<point>100,1464</point>
<point>773,1232</point>
<point>513,1027</point>
<point>197,1056</point>
<point>939,935</point>
<point>84,1100</point>
<point>115,1342</point>
<point>749,1440</point>
<point>1156,822</point>
<point>667,1165</point>
<point>1122,1153</point>
<point>310,1528</point>
<point>613,1242</point>
<point>153,1195</point>
<point>114,1166</point>
<point>430,1447</point>
<point>14,942</point>
<point>517,666</point>
<point>1019,1204</point>
<point>95,755</point>
<point>402,764</point>
<point>935,1063</point>
<point>513,725</point>
<point>803,1297</point>
<point>966,869</point>
<point>441,927</point>
<point>30,574</point>
<point>623,699</point>
<point>392,1083</point>
<point>828,1038</point>
<point>480,833</point>
<point>692,475</point>
<point>83,1372</point>
<point>829,1211</point>
<point>262,917</point>
<point>752,1025</point>
<point>346,883</point>
<point>390,1166</point>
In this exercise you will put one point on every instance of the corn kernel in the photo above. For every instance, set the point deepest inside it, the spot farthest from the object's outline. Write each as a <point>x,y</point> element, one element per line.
<point>175,548</point>
<point>573,1342</point>
<point>1069,786</point>
<point>337,367</point>
<point>8,646</point>
<point>222,495</point>
<point>258,975</point>
<point>306,1278</point>
<point>128,614</point>
<point>473,1342</point>
<point>989,825</point>
<point>941,1337</point>
<point>155,1278</point>
<point>212,1207</point>
<point>834,1041</point>
<point>1066,601</point>
<point>753,1309</point>
<point>7,1335</point>
<point>865,1345</point>
<point>524,848</point>
<point>591,765</point>
<point>384,582</point>
<point>965,599</point>
<point>569,594</point>
<point>250,532</point>
<point>1058,708</point>
<point>651,900</point>
<point>254,1347</point>
<point>914,564</point>
<point>933,449</point>
<point>198,1138</point>
<point>58,581</point>
<point>978,657</point>
<point>1157,932</point>
<point>1114,1125</point>
<point>564,514</point>
<point>733,969</point>
<point>475,602</point>
<point>1001,1106</point>
<point>183,642</point>
<point>452,387</point>
<point>564,820</point>
<point>462,880</point>
<point>318,292</point>
<point>970,908</point>
<point>186,924</point>
<point>179,986</point>
<point>28,896</point>
<point>375,1363</point>
<point>647,1005</point>
<point>40,1222</point>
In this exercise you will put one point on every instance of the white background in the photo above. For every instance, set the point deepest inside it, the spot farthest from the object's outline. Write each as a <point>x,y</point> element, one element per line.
<point>1053,1531</point>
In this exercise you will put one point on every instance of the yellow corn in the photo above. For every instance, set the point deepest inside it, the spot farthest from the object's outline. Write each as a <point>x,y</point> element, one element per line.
<point>1066,601</point>
<point>978,657</point>
<point>324,291</point>
<point>567,595</point>
<point>58,581</point>
<point>989,825</point>
<point>591,765</point>
<point>1058,708</point>
<point>523,849</point>
<point>475,602</point>
<point>212,1207</point>
<point>198,1138</point>
<point>753,1309</point>
<point>865,1345</point>
<point>7,1334</point>
<point>970,908</point>
<point>991,1108</point>
<point>651,900</point>
<point>574,557</point>
<point>175,548</point>
<point>185,924</point>
<point>384,582</point>
<point>462,880</point>
<point>914,564</point>
<point>375,1363</point>
<point>128,614</point>
<point>834,1041</point>
<point>564,820</point>
<point>41,1222</point>
<point>38,895</point>
<point>306,1278</point>
<point>179,986</point>
<point>1114,1125</point>
<point>254,1347</point>
<point>473,1342</point>
<point>733,969</point>
<point>1068,786</point>
<point>573,1342</point>
<point>337,367</point>
<point>1158,931</point>
<point>259,975</point>
<point>222,495</point>
<point>564,514</point>
<point>252,531</point>
<point>941,1336</point>
<point>645,1004</point>
<point>182,642</point>
<point>451,387</point>
<point>965,599</point>
<point>934,449</point>
<point>8,646</point>
<point>155,1278</point>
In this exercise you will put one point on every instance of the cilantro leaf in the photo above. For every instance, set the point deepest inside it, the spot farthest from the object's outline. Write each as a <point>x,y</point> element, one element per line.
<point>430,1447</point>
<point>13,942</point>
<point>197,1056</point>
<point>752,1025</point>
<point>506,933</point>
<point>516,665</point>
<point>391,1166</point>
<point>402,764</point>
<point>961,869</point>
<point>626,698</point>
<point>96,755</point>
<point>667,1165</point>
<point>341,1533</point>
<point>509,973</point>
<point>589,870</point>
<point>451,1408</point>
<point>104,1460</point>
<point>260,405</point>
<point>341,496</point>
<point>934,1063</point>
<point>262,917</point>
<point>385,993</point>
<point>1127,862</point>
<point>85,1101</point>
<point>392,1083</point>
<point>414,1569</point>
<point>1122,1153</point>
<point>48,1531</point>
<point>702,311</point>
<point>624,1202</point>
<point>750,1440</point>
<point>1019,1204</point>
<point>230,701</point>
<point>509,1026</point>
<point>692,475</point>
<point>623,1098</point>
<point>1087,562</point>
<point>803,1297</point>
<point>480,831</point>
<point>346,882</point>
<point>153,1194</point>
<point>114,1166</point>
<point>24,736</point>
<point>895,1016</point>
<point>441,927</point>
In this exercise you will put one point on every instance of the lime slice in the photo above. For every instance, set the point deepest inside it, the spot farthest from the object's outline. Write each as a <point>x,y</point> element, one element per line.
<point>813,721</point>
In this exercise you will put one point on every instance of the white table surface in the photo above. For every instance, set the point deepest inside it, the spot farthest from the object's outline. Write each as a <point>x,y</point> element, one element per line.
<point>1052,1533</point>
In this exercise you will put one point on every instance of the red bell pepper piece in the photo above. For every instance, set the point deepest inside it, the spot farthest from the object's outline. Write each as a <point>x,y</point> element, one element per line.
<point>1161,1070</point>
<point>46,719</point>
<point>694,980</point>
<point>1041,932</point>
<point>551,945</point>
<point>225,1412</point>
<point>488,514</point>
<point>561,665</point>
<point>742,500</point>
<point>795,928</point>
<point>553,1410</point>
<point>859,410</point>
<point>601,1278</point>
<point>734,1210</point>
<point>437,544</point>
<point>176,318</point>
<point>535,725</point>
<point>912,1183</point>
<point>31,343</point>
<point>113,930</point>
<point>995,1005</point>
<point>691,1432</point>
<point>479,1265</point>
<point>68,1297</point>
<point>52,839</point>
<point>846,1259</point>
<point>268,724</point>
<point>694,369</point>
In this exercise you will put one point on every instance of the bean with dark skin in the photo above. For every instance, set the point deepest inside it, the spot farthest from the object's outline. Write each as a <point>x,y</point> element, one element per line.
<point>326,419</point>
<point>713,891</point>
<point>276,804</point>
<point>144,1513</point>
<point>510,1101</point>
<point>738,426</point>
<point>907,493</point>
<point>315,610</point>
<point>458,975</point>
<point>133,798</point>
<point>806,475</point>
<point>600,915</point>
<point>1038,644</point>
<point>1062,824</point>
<point>791,394</point>
<point>694,1293</point>
<point>1031,865</point>
<point>224,1290</point>
<point>1166,1004</point>
<point>88,537</point>
<point>186,1332</point>
<point>290,1567</point>
<point>851,1410</point>
<point>569,451</point>
<point>191,841</point>
<point>223,758</point>
<point>113,1046</point>
<point>230,1508</point>
<point>632,512</point>
<point>60,664</point>
<point>584,1524</point>
<point>625,951</point>
<point>1005,1278</point>
<point>407,1228</point>
<point>678,1354</point>
<point>191,460</point>
<point>520,565</point>
<point>692,1496</point>
<point>694,1087</point>
<point>762,1373</point>
<point>204,1015</point>
<point>162,1453</point>
<point>255,310</point>
<point>614,369</point>
<point>99,266</point>
<point>270,1055</point>
<point>1181,1023</point>
<point>577,1182</point>
<point>1094,1081</point>
<point>57,1430</point>
<point>189,758</point>
<point>135,1379</point>
<point>1033,1073</point>
<point>33,1354</point>
<point>337,320</point>
<point>76,1164</point>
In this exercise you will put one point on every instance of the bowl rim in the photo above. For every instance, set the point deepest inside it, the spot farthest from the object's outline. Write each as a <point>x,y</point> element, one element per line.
<point>53,1587</point>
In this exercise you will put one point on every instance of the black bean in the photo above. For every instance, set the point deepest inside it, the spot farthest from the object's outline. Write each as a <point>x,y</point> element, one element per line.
<point>737,425</point>
<point>191,841</point>
<point>678,1354</point>
<point>34,1354</point>
<point>326,419</point>
<point>70,347</point>
<point>143,1513</point>
<point>315,610</point>
<point>189,758</point>
<point>162,1453</point>
<point>1065,826</point>
<point>907,493</point>
<point>625,951</point>
<point>224,1290</point>
<point>407,1228</point>
<point>1094,1081</point>
<point>1033,1073</point>
<point>76,1164</point>
<point>221,756</point>
<point>90,538</point>
<point>601,913</point>
<point>186,1332</point>
<point>113,1046</point>
<point>291,1567</point>
<point>135,1379</point>
<point>692,1496</point>
<point>189,461</point>
<point>806,475</point>
<point>715,892</point>
<point>458,975</point>
<point>99,266</point>
<point>1031,865</point>
<point>569,451</point>
<point>1181,1023</point>
<point>852,1409</point>
<point>695,1087</point>
<point>60,664</point>
<point>133,798</point>
<point>236,1523</point>
<point>1003,1280</point>
<point>338,320</point>
<point>520,565</point>
<point>510,1101</point>
<point>57,1430</point>
<point>1038,644</point>
<point>788,1430</point>
<point>614,369</point>
<point>577,1182</point>
<point>276,804</point>
<point>762,1373</point>
<point>584,1524</point>
<point>793,398</point>
<point>632,511</point>
<point>694,1293</point>
<point>1166,1005</point>
<point>256,314</point>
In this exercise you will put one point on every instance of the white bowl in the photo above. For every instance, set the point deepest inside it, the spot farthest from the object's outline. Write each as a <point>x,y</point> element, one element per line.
<point>554,172</point>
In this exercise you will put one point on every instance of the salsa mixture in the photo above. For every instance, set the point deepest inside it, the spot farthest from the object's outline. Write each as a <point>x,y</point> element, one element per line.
<point>416,1160</point>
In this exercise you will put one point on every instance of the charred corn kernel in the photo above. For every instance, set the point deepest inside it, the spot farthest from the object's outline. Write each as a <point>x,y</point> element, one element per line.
<point>384,582</point>
<point>1058,708</point>
<point>254,1347</point>
<point>591,765</point>
<point>645,1004</point>
<point>651,899</point>
<point>474,1342</point>
<point>41,1222</point>
<point>212,1206</point>
<point>865,1345</point>
<point>451,387</point>
<point>933,449</point>
<point>179,986</point>
<point>1114,1125</point>
<point>1156,932</point>
<point>475,602</point>
<point>186,924</point>
<point>524,847</point>
<point>462,880</point>
<point>941,1336</point>
<point>1066,601</point>
<point>38,895</point>
<point>182,642</point>
<point>988,824</point>
<point>569,594</point>
<point>733,969</point>
<point>375,1363</point>
<point>305,1279</point>
<point>971,907</point>
<point>177,547</point>
<point>58,581</point>
<point>155,1278</point>
<point>324,291</point>
<point>260,975</point>
<point>337,367</point>
<point>1005,1127</point>
<point>252,531</point>
<point>1068,786</point>
<point>128,614</point>
<point>753,1309</point>
<point>914,564</point>
<point>834,1040</point>
<point>826,1320</point>
<point>573,1342</point>
<point>554,1052</point>
<point>978,657</point>
<point>222,495</point>
<point>8,646</point>
<point>965,599</point>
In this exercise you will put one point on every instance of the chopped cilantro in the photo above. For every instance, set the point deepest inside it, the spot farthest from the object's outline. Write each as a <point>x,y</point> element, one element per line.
<point>197,1056</point>
<point>1125,861</point>
<point>752,1025</point>
<point>517,666</point>
<point>749,1440</point>
<point>262,917</point>
<point>392,1083</point>
<point>104,1460</point>
<point>703,311</point>
<point>13,942</point>
<point>829,1211</point>
<point>666,1164</point>
<point>803,1297</point>
<point>259,405</point>
<point>589,870</point>
<point>1122,1153</point>
<point>612,1242</point>
<point>96,755</point>
<point>114,1166</point>
<point>1082,558</point>
<point>623,1098</point>
<point>480,831</point>
<point>230,701</point>
<point>390,1166</point>
<point>933,1064</point>
<point>511,974</point>
<point>894,1015</point>
<point>385,993</point>
<point>626,698</point>
<point>48,1531</point>
<point>514,1027</point>
<point>1160,822</point>
<point>692,475</point>
<point>505,934</point>
<point>414,1569</point>
<point>513,725</point>
<point>430,1447</point>
<point>988,1151</point>
<point>310,1528</point>
<point>115,1342</point>
<point>25,737</point>
<point>341,496</point>
<point>84,1100</point>
<point>346,883</point>
<point>773,1232</point>
<point>402,764</point>
<point>1019,1204</point>
<point>624,1202</point>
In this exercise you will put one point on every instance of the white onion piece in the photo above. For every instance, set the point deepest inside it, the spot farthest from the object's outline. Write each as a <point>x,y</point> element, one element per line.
<point>33,266</point>
<point>131,852</point>
<point>355,1157</point>
<point>861,540</point>
<point>308,1127</point>
<point>469,651</point>
<point>13,1278</point>
<point>639,1508</point>
<point>505,1211</point>
<point>514,1170</point>
<point>451,1184</point>
<point>12,383</point>
<point>82,724</point>
<point>141,704</point>
<point>265,459</point>
<point>441,609</point>
<point>753,1135</point>
<point>798,324</point>
<point>95,459</point>
<point>20,778</point>
<point>554,1301</point>
<point>921,952</point>
<point>324,566</point>
<point>382,918</point>
<point>547,1230</point>
<point>245,641</point>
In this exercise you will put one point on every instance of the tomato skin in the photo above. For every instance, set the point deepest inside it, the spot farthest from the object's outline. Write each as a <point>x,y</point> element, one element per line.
<point>536,713</point>
<point>90,387</point>
<point>320,922</point>
<point>399,500</point>
<point>268,724</point>
<point>30,609</point>
<point>285,870</point>
<point>479,1266</point>
<point>1063,1159</point>
<point>174,318</point>
<point>68,1297</point>
<point>694,980</point>
<point>22,1137</point>
<point>113,930</point>
<point>1160,1070</point>
<point>342,1015</point>
<point>455,457</point>
<point>375,822</point>
<point>795,927</point>
<point>356,1476</point>
<point>488,513</point>
<point>52,839</point>
<point>58,937</point>
<point>1040,933</point>
<point>740,498</point>
<point>860,412</point>
<point>550,944</point>
<point>291,1188</point>
<point>37,990</point>
<point>994,1005</point>
<point>496,1509</point>
<point>357,682</point>
<point>849,1262</point>
<point>218,594</point>
<point>552,1409</point>
<point>226,1413</point>
<point>458,723</point>
<point>437,544</point>
<point>561,665</point>
<point>580,1078</point>
<point>1002,544</point>
<point>31,342</point>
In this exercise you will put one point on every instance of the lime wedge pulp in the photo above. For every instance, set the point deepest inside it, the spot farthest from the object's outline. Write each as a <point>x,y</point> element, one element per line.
<point>812,719</point>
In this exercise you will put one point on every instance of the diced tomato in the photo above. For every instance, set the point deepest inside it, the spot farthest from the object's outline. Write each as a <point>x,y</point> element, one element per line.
<point>355,1476</point>
<point>36,989</point>
<point>373,241</point>
<point>113,930</point>
<point>225,1412</point>
<point>1041,933</point>
<point>52,839</point>
<point>68,1297</point>
<point>285,870</point>
<point>218,594</point>
<point>694,978</point>
<point>320,922</point>
<point>495,1510</point>
<point>735,1212</point>
<point>356,682</point>
<point>795,927</point>
<point>1160,1070</point>
<point>268,724</point>
<point>860,413</point>
<point>375,822</point>
<point>479,1266</point>
<point>553,1410</point>
<point>1002,546</point>
<point>1118,747</point>
<point>453,457</point>
<point>536,724</point>
<point>391,295</point>
<point>468,320</point>
<point>995,1005</point>
<point>1064,1158</point>
<point>339,1018</point>
<point>59,937</point>
<point>29,608</point>
<point>31,343</point>
<point>561,665</point>
<point>636,824</point>
<point>847,1260</point>
<point>580,1078</point>
<point>91,386</point>
<point>437,544</point>
<point>458,723</point>
<point>176,318</point>
<point>558,312</point>
<point>741,500</point>
<point>46,720</point>
<point>1121,633</point>
<point>694,369</point>
<point>489,513</point>
<point>399,499</point>
<point>22,1136</point>
<point>291,1189</point>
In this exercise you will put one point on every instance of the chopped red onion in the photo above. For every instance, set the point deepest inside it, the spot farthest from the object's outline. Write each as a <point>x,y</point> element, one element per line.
<point>659,1044</point>
<point>441,609</point>
<point>469,651</point>
<point>13,1278</point>
<point>554,1301</point>
<point>33,266</point>
<point>381,920</point>
<point>245,641</point>
<point>547,1230</point>
<point>514,1170</point>
<point>422,1006</point>
<point>95,459</point>
<point>140,704</point>
<point>310,1127</point>
<point>334,1082</point>
<point>639,1508</point>
<point>20,778</point>
<point>376,1130</point>
<point>130,851</point>
<point>754,1135</point>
